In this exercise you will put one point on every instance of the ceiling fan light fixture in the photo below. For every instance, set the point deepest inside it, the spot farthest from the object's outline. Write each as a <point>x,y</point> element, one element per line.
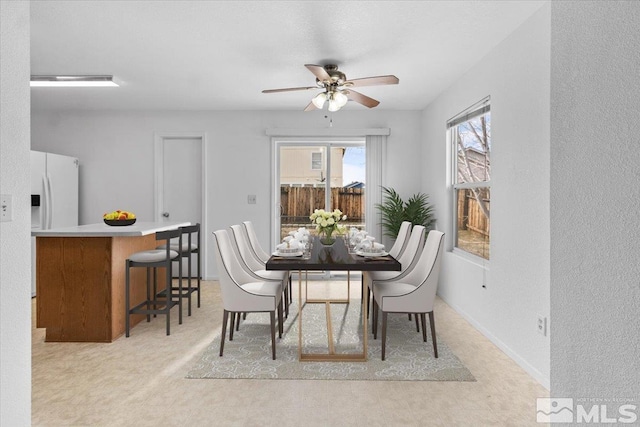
<point>319,100</point>
<point>340,98</point>
<point>72,81</point>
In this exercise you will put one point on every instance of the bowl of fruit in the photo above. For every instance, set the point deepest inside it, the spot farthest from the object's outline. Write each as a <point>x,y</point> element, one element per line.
<point>119,217</point>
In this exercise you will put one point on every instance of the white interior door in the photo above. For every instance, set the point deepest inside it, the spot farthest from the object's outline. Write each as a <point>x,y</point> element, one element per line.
<point>180,185</point>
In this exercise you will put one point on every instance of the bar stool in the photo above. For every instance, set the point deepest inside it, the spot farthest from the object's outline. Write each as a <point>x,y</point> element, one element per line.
<point>188,246</point>
<point>154,259</point>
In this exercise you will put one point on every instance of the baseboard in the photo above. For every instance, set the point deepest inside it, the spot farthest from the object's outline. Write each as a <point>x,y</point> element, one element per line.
<point>535,373</point>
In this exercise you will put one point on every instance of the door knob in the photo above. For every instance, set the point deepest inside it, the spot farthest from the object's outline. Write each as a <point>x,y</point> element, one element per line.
<point>165,214</point>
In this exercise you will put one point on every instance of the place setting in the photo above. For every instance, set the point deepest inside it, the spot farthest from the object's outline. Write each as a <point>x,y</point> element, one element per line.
<point>296,244</point>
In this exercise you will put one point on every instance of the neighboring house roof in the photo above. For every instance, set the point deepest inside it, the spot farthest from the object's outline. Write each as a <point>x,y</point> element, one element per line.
<point>355,184</point>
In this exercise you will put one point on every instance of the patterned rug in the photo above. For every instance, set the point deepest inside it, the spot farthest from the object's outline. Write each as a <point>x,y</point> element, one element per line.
<point>408,358</point>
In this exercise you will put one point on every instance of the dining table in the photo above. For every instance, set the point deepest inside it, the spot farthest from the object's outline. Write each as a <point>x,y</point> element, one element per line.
<point>336,257</point>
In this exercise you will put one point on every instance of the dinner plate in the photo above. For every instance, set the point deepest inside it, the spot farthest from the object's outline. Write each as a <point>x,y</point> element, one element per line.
<point>287,255</point>
<point>371,255</point>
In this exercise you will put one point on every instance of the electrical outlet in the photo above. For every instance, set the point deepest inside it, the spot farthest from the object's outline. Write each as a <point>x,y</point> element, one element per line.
<point>6,208</point>
<point>542,325</point>
<point>251,199</point>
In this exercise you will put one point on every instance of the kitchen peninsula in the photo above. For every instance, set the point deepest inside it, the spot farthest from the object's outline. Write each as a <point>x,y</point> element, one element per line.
<point>80,278</point>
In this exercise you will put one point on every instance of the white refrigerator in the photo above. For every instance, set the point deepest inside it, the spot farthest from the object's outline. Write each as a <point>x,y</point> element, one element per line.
<point>54,196</point>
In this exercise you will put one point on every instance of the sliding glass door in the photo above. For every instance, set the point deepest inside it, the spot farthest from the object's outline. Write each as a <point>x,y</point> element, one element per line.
<point>319,174</point>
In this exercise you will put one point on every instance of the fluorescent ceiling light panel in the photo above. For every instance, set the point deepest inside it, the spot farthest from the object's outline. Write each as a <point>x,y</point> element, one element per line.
<point>72,81</point>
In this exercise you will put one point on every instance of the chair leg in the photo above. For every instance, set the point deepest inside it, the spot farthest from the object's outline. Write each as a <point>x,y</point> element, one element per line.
<point>384,332</point>
<point>424,326</point>
<point>409,316</point>
<point>432,323</point>
<point>280,321</point>
<point>290,289</point>
<point>225,318</point>
<point>286,300</point>
<point>244,316</point>
<point>417,326</point>
<point>233,320</point>
<point>238,322</point>
<point>375,319</point>
<point>272,315</point>
<point>368,301</point>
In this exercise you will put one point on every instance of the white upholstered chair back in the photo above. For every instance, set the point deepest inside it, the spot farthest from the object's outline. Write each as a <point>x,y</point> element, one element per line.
<point>401,239</point>
<point>424,276</point>
<point>244,248</point>
<point>412,251</point>
<point>255,244</point>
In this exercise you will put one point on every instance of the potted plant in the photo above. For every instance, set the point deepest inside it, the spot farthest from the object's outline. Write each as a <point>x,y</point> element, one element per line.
<point>394,211</point>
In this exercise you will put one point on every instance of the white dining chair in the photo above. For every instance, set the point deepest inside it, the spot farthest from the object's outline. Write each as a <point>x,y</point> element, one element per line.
<point>259,253</point>
<point>407,261</point>
<point>401,239</point>
<point>254,267</point>
<point>242,293</point>
<point>414,293</point>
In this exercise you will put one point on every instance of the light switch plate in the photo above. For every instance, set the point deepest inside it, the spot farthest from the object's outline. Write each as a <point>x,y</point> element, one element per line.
<point>6,207</point>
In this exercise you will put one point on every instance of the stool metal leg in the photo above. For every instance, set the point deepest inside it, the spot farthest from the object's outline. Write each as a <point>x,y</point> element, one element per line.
<point>148,294</point>
<point>188,280</point>
<point>126,299</point>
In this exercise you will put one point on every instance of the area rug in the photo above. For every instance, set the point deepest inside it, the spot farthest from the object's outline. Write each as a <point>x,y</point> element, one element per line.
<point>408,357</point>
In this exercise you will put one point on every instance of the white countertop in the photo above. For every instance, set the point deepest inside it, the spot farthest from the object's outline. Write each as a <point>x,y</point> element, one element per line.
<point>140,228</point>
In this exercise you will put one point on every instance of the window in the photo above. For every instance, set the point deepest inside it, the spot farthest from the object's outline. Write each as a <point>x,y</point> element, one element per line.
<point>316,161</point>
<point>470,136</point>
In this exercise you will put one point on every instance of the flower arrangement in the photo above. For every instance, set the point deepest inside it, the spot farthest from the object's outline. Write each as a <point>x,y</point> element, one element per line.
<point>327,223</point>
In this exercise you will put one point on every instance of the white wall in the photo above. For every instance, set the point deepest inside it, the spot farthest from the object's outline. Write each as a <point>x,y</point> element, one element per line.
<point>595,200</point>
<point>116,157</point>
<point>516,76</point>
<point>15,250</point>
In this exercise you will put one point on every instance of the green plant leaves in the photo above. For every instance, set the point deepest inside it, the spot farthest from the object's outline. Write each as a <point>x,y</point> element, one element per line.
<point>394,211</point>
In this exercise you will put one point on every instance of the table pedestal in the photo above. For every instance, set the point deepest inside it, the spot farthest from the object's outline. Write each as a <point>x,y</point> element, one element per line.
<point>331,355</point>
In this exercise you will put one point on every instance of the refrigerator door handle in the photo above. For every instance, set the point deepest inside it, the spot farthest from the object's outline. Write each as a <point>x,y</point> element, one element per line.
<point>44,215</point>
<point>48,203</point>
<point>51,203</point>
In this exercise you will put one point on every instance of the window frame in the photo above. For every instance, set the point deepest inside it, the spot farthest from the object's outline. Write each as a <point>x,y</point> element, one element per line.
<point>316,161</point>
<point>479,109</point>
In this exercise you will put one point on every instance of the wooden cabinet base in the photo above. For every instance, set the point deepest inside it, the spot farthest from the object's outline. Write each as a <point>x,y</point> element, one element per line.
<point>80,286</point>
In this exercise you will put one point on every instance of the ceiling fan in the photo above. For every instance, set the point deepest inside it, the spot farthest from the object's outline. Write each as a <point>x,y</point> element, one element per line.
<point>337,89</point>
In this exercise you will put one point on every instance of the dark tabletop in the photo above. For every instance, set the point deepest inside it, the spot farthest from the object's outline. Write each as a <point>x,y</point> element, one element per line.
<point>336,257</point>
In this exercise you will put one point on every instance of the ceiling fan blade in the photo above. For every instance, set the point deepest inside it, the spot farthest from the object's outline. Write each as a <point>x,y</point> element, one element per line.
<point>289,89</point>
<point>310,107</point>
<point>319,72</point>
<point>362,99</point>
<point>373,81</point>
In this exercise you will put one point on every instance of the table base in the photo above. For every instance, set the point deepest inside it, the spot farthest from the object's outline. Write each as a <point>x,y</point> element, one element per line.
<point>331,355</point>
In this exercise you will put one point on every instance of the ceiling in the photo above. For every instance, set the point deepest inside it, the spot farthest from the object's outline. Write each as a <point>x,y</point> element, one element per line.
<point>220,55</point>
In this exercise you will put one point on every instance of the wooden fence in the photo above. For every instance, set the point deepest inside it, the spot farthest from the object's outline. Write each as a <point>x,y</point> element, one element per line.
<point>470,216</point>
<point>297,203</point>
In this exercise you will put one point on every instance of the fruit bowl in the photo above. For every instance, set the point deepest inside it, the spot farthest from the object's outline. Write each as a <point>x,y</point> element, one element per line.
<point>116,222</point>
